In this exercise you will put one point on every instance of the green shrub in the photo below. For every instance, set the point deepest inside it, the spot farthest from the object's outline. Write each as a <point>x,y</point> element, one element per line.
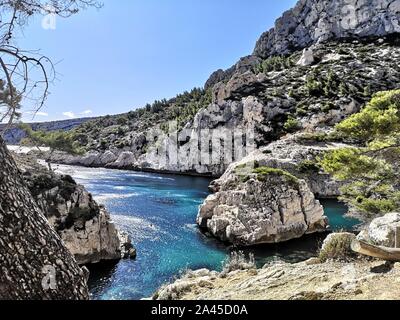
<point>328,106</point>
<point>308,166</point>
<point>301,111</point>
<point>337,246</point>
<point>319,137</point>
<point>292,125</point>
<point>276,63</point>
<point>264,172</point>
<point>245,170</point>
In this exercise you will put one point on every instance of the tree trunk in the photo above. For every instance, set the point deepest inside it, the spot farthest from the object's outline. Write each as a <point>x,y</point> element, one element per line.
<point>34,263</point>
<point>384,253</point>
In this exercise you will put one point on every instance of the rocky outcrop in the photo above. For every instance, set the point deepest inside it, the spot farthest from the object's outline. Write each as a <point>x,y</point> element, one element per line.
<point>307,58</point>
<point>85,227</point>
<point>313,21</point>
<point>268,209</point>
<point>382,231</point>
<point>258,201</point>
<point>269,196</point>
<point>309,280</point>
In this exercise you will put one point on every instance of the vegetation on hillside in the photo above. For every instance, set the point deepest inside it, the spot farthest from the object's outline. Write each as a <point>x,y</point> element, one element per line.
<point>371,166</point>
<point>119,130</point>
<point>56,140</point>
<point>343,77</point>
<point>275,63</point>
<point>264,172</point>
<point>340,81</point>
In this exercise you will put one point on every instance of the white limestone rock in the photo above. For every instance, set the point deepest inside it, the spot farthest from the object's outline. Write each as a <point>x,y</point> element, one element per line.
<point>250,209</point>
<point>382,231</point>
<point>97,241</point>
<point>314,21</point>
<point>307,57</point>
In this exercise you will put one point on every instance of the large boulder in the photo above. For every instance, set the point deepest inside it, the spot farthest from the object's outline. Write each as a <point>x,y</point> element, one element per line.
<point>307,57</point>
<point>382,231</point>
<point>261,205</point>
<point>96,241</point>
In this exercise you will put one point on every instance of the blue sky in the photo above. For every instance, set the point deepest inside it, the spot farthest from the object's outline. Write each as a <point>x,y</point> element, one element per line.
<point>132,52</point>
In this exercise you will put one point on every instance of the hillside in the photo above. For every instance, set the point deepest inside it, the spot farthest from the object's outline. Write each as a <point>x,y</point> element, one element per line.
<point>14,135</point>
<point>275,96</point>
<point>276,90</point>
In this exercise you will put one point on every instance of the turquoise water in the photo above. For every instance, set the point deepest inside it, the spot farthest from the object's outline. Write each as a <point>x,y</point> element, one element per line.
<point>336,212</point>
<point>159,213</point>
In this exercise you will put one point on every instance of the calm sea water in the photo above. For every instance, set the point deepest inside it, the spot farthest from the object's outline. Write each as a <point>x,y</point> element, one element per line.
<point>159,213</point>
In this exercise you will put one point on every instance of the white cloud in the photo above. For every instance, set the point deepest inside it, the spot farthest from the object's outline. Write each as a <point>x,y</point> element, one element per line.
<point>39,113</point>
<point>42,114</point>
<point>69,114</point>
<point>86,112</point>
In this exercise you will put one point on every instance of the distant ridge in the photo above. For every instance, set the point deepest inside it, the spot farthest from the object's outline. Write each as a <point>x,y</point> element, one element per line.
<point>14,135</point>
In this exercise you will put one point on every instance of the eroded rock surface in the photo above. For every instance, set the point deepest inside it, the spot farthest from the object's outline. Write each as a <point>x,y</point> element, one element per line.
<point>310,280</point>
<point>382,231</point>
<point>269,211</point>
<point>254,103</point>
<point>312,21</point>
<point>84,226</point>
<point>258,201</point>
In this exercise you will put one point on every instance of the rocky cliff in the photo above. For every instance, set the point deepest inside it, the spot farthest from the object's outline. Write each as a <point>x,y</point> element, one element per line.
<point>314,21</point>
<point>269,196</point>
<point>85,227</point>
<point>266,206</point>
<point>270,99</point>
<point>310,280</point>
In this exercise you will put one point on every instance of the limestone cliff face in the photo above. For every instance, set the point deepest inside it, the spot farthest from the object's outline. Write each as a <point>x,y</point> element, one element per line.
<point>258,102</point>
<point>293,155</point>
<point>258,200</point>
<point>312,21</point>
<point>85,227</point>
<point>352,51</point>
<point>269,196</point>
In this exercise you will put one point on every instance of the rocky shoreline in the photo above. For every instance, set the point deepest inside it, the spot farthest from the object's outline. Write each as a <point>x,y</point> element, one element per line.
<point>337,273</point>
<point>309,280</point>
